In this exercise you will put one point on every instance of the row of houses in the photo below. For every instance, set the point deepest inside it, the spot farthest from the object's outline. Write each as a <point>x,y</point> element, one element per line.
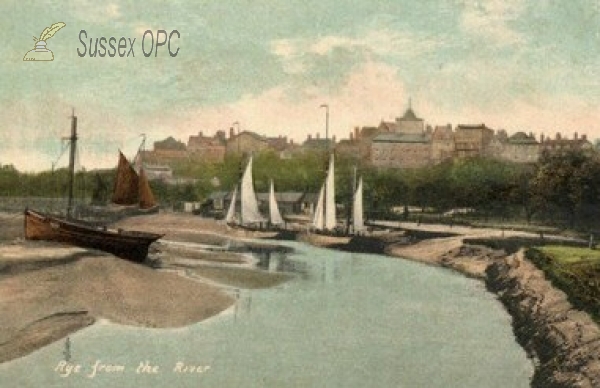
<point>408,143</point>
<point>405,142</point>
<point>214,148</point>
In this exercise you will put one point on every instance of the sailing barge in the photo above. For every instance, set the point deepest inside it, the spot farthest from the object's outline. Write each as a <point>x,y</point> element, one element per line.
<point>129,245</point>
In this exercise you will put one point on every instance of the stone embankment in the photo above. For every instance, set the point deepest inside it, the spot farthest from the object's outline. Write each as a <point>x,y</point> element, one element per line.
<point>563,342</point>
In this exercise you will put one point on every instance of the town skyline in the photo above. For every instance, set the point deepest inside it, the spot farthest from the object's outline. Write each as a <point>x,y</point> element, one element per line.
<point>515,65</point>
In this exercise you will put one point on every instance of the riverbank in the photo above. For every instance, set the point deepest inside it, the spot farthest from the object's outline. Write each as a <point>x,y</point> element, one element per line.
<point>49,290</point>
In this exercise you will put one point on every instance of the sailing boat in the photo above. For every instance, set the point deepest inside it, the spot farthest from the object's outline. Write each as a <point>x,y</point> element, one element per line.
<point>274,214</point>
<point>358,224</point>
<point>230,217</point>
<point>132,192</point>
<point>325,213</point>
<point>249,214</point>
<point>130,245</point>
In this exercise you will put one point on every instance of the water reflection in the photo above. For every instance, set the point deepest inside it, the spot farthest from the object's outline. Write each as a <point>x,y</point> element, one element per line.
<point>280,262</point>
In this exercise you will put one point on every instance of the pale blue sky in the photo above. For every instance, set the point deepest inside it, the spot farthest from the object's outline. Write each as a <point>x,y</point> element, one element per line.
<point>515,64</point>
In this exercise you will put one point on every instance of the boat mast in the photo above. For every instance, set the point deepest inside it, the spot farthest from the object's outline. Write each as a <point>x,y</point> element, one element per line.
<point>328,151</point>
<point>73,147</point>
<point>140,152</point>
<point>350,208</point>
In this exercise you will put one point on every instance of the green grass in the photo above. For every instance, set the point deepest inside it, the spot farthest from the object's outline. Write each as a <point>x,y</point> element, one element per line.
<point>569,255</point>
<point>576,271</point>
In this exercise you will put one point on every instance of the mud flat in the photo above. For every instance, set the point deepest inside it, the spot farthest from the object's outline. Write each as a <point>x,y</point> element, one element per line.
<point>50,298</point>
<point>49,290</point>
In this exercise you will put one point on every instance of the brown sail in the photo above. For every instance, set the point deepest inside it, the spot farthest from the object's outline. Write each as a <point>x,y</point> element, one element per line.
<point>126,190</point>
<point>146,197</point>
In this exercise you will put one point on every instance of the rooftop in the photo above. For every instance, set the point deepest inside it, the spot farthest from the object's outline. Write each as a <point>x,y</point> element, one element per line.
<point>400,138</point>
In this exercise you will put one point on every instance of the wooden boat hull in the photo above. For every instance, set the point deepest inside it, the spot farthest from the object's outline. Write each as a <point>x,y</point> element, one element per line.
<point>129,245</point>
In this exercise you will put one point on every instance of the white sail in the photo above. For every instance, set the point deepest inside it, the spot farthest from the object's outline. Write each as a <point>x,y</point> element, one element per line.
<point>275,215</point>
<point>318,216</point>
<point>229,218</point>
<point>357,208</point>
<point>330,216</point>
<point>250,213</point>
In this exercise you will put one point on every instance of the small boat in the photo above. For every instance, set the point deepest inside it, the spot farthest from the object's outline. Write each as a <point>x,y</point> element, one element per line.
<point>249,216</point>
<point>358,224</point>
<point>324,218</point>
<point>275,218</point>
<point>129,245</point>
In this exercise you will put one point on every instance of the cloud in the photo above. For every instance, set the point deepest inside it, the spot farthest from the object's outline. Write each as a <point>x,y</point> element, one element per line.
<point>95,11</point>
<point>298,55</point>
<point>491,20</point>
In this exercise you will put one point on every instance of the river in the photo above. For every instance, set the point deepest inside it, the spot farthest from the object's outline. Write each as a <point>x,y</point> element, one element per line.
<point>345,320</point>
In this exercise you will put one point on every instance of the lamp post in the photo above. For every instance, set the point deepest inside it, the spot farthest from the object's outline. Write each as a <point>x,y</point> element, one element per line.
<point>326,122</point>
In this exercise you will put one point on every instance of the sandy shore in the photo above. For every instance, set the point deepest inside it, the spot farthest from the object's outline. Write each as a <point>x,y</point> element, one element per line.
<point>49,290</point>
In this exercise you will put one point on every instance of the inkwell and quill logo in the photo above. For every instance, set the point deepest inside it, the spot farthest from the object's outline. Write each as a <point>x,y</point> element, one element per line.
<point>40,52</point>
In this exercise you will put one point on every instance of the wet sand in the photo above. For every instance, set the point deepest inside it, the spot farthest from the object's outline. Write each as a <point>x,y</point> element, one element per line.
<point>49,290</point>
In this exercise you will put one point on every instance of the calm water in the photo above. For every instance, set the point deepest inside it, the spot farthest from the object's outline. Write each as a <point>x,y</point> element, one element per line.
<point>348,320</point>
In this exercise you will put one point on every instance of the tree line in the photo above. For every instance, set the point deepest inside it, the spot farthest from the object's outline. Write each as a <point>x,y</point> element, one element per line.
<point>560,189</point>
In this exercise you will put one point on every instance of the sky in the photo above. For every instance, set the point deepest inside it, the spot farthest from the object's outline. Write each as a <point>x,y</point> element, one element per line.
<point>518,65</point>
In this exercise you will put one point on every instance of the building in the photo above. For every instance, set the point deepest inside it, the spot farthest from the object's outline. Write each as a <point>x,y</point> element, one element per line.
<point>317,143</point>
<point>165,151</point>
<point>442,143</point>
<point>158,172</point>
<point>409,123</point>
<point>563,144</point>
<point>520,148</point>
<point>472,140</point>
<point>401,150</point>
<point>288,202</point>
<point>207,148</point>
<point>246,142</point>
<point>401,144</point>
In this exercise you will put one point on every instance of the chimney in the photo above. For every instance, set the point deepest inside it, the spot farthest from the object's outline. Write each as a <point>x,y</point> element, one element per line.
<point>584,137</point>
<point>231,133</point>
<point>309,137</point>
<point>356,133</point>
<point>318,135</point>
<point>542,138</point>
<point>333,139</point>
<point>575,136</point>
<point>557,135</point>
<point>200,134</point>
<point>351,136</point>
